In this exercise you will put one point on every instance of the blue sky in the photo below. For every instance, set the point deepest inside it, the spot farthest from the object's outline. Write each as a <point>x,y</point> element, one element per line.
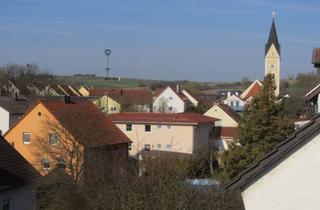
<point>202,40</point>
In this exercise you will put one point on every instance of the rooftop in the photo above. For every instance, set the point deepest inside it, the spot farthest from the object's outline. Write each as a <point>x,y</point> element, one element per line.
<point>172,118</point>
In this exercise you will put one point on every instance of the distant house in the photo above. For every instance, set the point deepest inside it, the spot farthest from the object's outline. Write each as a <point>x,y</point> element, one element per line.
<point>12,89</point>
<point>17,180</point>
<point>113,100</point>
<point>253,90</point>
<point>172,132</point>
<point>107,104</point>
<point>235,102</point>
<point>11,109</point>
<point>69,90</point>
<point>313,98</point>
<point>286,177</point>
<point>48,128</point>
<point>226,127</point>
<point>313,95</point>
<point>85,90</point>
<point>173,100</point>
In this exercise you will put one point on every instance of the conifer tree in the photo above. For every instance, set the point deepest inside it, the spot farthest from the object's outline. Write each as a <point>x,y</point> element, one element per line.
<point>263,125</point>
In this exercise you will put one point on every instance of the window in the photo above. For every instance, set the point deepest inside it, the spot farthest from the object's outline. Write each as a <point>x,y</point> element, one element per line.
<point>170,98</point>
<point>53,139</point>
<point>147,128</point>
<point>170,108</point>
<point>147,147</point>
<point>61,163</point>
<point>272,66</point>
<point>168,126</point>
<point>232,103</point>
<point>158,146</point>
<point>45,163</point>
<point>159,126</point>
<point>129,127</point>
<point>130,146</point>
<point>26,138</point>
<point>113,109</point>
<point>237,103</point>
<point>168,146</point>
<point>5,205</point>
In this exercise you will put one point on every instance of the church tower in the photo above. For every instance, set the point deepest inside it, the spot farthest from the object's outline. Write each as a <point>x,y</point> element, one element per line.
<point>272,56</point>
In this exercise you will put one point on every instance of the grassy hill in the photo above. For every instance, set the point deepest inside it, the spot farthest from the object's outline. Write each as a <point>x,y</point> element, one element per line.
<point>101,82</point>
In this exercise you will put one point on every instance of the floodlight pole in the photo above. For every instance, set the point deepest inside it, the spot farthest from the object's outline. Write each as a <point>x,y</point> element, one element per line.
<point>107,52</point>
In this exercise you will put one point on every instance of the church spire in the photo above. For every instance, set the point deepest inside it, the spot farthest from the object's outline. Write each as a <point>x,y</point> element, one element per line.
<point>273,38</point>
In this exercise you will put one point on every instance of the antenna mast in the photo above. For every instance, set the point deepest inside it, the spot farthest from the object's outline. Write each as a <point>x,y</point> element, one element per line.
<point>107,52</point>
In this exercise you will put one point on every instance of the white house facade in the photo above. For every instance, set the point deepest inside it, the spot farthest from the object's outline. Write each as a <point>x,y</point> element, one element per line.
<point>168,101</point>
<point>235,102</point>
<point>287,177</point>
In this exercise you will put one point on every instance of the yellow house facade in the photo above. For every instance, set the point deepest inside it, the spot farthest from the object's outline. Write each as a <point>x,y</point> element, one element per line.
<point>107,105</point>
<point>170,132</point>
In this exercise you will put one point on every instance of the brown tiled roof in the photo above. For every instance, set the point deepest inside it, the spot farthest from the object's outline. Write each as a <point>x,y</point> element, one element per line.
<point>230,132</point>
<point>14,169</point>
<point>139,96</point>
<point>316,56</point>
<point>85,121</point>
<point>173,118</point>
<point>229,111</point>
<point>270,160</point>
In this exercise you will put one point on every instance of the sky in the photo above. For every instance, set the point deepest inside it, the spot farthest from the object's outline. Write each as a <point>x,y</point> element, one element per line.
<point>199,40</point>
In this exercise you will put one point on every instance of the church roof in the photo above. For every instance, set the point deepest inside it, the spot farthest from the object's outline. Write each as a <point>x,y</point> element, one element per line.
<point>273,39</point>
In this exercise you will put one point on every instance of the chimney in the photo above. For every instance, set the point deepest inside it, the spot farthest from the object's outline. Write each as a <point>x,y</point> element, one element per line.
<point>177,88</point>
<point>67,99</point>
<point>237,93</point>
<point>228,94</point>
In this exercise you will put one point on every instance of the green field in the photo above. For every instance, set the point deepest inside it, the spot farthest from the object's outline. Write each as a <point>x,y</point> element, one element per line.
<point>101,82</point>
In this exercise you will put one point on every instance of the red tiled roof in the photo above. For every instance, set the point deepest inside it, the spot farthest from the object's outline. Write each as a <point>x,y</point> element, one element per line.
<point>254,90</point>
<point>125,95</point>
<point>14,165</point>
<point>228,132</point>
<point>174,118</point>
<point>84,121</point>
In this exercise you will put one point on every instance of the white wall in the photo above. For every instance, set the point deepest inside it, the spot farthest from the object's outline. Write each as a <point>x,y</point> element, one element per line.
<point>291,185</point>
<point>171,99</point>
<point>4,120</point>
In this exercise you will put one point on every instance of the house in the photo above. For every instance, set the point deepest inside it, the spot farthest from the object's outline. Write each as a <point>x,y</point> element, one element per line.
<point>107,104</point>
<point>84,90</point>
<point>113,100</point>
<point>172,132</point>
<point>52,130</point>
<point>11,109</point>
<point>69,90</point>
<point>286,177</point>
<point>17,180</point>
<point>173,100</point>
<point>313,95</point>
<point>253,90</point>
<point>11,89</point>
<point>235,102</point>
<point>226,127</point>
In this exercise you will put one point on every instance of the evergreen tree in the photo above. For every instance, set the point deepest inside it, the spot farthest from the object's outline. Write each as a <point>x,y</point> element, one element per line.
<point>263,125</point>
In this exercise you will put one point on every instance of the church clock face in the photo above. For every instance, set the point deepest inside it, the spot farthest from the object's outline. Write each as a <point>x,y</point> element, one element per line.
<point>272,66</point>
